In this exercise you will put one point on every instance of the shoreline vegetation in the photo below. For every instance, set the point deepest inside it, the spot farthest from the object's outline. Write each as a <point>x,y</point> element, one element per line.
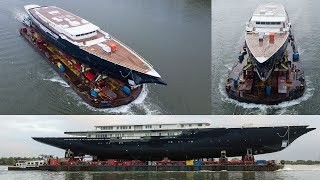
<point>302,162</point>
<point>9,161</point>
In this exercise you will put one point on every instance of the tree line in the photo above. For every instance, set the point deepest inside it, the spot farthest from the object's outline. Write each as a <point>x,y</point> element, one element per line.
<point>14,160</point>
<point>302,162</point>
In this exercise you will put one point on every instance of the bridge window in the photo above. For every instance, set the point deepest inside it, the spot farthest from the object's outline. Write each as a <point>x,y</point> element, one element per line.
<point>170,133</point>
<point>268,23</point>
<point>78,35</point>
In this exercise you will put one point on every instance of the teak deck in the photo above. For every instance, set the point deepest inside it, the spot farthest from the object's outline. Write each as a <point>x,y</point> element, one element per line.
<point>267,49</point>
<point>121,56</point>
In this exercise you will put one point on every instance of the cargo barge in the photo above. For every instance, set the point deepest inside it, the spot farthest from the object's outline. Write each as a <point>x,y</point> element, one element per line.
<point>268,69</point>
<point>217,167</point>
<point>98,89</point>
<point>77,164</point>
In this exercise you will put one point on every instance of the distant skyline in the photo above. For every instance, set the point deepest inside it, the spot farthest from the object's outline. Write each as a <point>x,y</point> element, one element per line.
<point>16,131</point>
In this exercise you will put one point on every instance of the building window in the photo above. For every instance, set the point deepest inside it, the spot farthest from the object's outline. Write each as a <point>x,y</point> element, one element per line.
<point>182,125</point>
<point>159,126</point>
<point>199,124</point>
<point>257,22</point>
<point>263,22</point>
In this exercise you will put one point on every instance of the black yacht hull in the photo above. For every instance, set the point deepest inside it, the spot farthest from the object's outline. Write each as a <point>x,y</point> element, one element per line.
<point>196,143</point>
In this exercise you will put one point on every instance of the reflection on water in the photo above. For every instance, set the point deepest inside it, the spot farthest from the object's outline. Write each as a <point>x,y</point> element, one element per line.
<point>289,172</point>
<point>131,175</point>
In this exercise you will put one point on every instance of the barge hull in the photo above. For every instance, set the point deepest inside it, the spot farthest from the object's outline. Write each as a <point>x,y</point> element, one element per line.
<point>256,91</point>
<point>85,95</point>
<point>157,168</point>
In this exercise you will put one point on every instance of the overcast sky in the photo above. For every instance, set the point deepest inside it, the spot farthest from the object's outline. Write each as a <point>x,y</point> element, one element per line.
<point>16,131</point>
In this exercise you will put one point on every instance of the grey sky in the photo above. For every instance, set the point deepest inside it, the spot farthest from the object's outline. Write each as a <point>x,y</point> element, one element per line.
<point>16,131</point>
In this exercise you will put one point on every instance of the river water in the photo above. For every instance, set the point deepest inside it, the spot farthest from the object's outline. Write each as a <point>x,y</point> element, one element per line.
<point>289,172</point>
<point>173,35</point>
<point>228,26</point>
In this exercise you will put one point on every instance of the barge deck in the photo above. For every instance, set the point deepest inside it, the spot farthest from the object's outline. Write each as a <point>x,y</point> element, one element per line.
<point>220,167</point>
<point>96,88</point>
<point>285,83</point>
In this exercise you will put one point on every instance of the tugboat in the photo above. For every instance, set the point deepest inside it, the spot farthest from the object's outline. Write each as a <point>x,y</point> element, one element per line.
<point>268,69</point>
<point>180,141</point>
<point>27,165</point>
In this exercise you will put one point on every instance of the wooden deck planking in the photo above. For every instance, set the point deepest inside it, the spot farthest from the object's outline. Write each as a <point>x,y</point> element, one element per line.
<point>267,49</point>
<point>121,56</point>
